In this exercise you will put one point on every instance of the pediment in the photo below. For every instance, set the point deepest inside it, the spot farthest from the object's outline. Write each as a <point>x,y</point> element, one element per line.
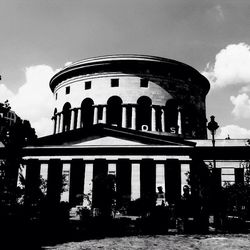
<point>107,135</point>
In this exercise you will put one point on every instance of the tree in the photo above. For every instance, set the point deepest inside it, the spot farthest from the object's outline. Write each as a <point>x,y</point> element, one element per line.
<point>14,137</point>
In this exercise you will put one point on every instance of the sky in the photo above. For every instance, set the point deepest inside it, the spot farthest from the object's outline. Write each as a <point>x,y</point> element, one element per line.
<point>38,37</point>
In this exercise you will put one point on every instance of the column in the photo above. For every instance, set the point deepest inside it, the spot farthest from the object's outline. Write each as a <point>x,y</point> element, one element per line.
<point>100,172</point>
<point>123,181</point>
<point>133,118</point>
<point>61,122</point>
<point>72,119</point>
<point>162,120</point>
<point>54,183</point>
<point>216,179</point>
<point>76,185</point>
<point>239,176</point>
<point>124,116</point>
<point>179,121</point>
<point>32,181</point>
<point>79,118</point>
<point>95,115</point>
<point>172,180</point>
<point>58,123</point>
<point>104,114</point>
<point>55,125</point>
<point>148,181</point>
<point>153,119</point>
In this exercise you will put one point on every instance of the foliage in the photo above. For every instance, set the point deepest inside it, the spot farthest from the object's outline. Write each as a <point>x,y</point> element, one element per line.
<point>237,199</point>
<point>14,136</point>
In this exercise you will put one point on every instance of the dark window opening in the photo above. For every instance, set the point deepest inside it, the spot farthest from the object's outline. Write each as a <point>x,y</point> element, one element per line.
<point>115,82</point>
<point>88,85</point>
<point>129,116</point>
<point>171,116</point>
<point>114,111</point>
<point>143,113</point>
<point>144,83</point>
<point>67,90</point>
<point>66,116</point>
<point>87,112</point>
<point>99,113</point>
<point>56,96</point>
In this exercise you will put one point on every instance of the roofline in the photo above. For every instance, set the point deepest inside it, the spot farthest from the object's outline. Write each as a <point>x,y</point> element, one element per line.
<point>93,61</point>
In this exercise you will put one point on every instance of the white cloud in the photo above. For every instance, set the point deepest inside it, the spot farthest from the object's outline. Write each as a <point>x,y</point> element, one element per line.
<point>241,106</point>
<point>5,93</point>
<point>231,66</point>
<point>34,100</point>
<point>234,132</point>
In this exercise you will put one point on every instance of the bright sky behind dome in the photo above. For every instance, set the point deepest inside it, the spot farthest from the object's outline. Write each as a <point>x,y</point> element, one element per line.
<point>38,37</point>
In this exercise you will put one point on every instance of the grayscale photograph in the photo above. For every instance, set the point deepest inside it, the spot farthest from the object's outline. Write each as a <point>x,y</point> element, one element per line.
<point>124,124</point>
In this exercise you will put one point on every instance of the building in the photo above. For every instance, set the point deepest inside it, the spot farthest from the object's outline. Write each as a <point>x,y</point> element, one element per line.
<point>141,118</point>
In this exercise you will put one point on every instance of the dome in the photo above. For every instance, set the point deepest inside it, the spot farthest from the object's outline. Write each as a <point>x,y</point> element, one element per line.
<point>139,92</point>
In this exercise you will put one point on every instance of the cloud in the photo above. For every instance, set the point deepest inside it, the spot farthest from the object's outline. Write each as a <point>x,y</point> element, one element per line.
<point>220,13</point>
<point>5,93</point>
<point>34,100</point>
<point>234,131</point>
<point>231,66</point>
<point>241,106</point>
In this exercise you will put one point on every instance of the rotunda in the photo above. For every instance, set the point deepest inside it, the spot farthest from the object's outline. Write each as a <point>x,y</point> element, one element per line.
<point>137,92</point>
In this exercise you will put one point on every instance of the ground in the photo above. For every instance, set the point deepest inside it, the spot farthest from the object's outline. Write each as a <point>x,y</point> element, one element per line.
<point>160,242</point>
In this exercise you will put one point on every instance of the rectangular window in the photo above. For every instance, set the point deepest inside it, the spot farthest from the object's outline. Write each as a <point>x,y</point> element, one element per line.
<point>144,83</point>
<point>115,82</point>
<point>67,90</point>
<point>56,96</point>
<point>88,85</point>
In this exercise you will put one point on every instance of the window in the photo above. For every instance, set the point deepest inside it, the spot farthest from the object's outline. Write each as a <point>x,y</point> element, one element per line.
<point>88,85</point>
<point>67,90</point>
<point>56,96</point>
<point>115,82</point>
<point>144,83</point>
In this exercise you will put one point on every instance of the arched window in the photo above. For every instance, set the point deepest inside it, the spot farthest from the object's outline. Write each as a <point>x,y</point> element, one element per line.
<point>87,112</point>
<point>143,113</point>
<point>66,116</point>
<point>114,111</point>
<point>171,116</point>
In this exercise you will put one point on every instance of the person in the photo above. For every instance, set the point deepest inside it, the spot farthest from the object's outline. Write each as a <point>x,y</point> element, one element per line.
<point>160,197</point>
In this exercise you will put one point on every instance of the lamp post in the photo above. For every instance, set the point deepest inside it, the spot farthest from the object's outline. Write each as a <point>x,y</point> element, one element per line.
<point>213,126</point>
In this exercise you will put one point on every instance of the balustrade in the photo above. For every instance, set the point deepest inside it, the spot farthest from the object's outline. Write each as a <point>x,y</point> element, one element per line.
<point>76,119</point>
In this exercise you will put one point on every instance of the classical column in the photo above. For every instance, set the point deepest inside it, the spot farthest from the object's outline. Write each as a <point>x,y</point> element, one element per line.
<point>32,181</point>
<point>172,180</point>
<point>61,122</point>
<point>124,116</point>
<point>95,115</point>
<point>133,118</point>
<point>54,119</point>
<point>54,184</point>
<point>100,172</point>
<point>123,181</point>
<point>72,119</point>
<point>153,119</point>
<point>179,121</point>
<point>104,114</point>
<point>76,187</point>
<point>148,181</point>
<point>58,123</point>
<point>239,176</point>
<point>79,118</point>
<point>216,179</point>
<point>162,119</point>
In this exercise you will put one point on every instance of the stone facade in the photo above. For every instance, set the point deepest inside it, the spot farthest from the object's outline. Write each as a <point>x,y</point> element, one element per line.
<point>131,91</point>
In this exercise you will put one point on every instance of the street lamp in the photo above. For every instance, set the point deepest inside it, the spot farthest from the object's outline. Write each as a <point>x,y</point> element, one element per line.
<point>213,126</point>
